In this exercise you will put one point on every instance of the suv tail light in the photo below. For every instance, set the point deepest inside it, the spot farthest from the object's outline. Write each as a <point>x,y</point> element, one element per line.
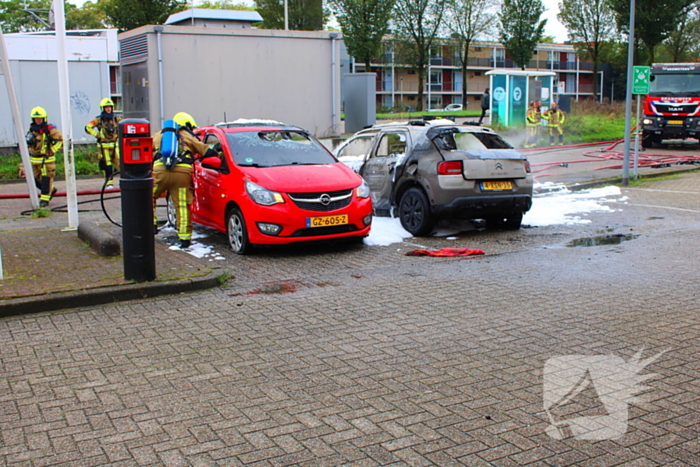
<point>528,169</point>
<point>449,168</point>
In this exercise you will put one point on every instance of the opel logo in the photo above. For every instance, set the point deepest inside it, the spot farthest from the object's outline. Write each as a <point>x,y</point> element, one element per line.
<point>325,199</point>
<point>499,166</point>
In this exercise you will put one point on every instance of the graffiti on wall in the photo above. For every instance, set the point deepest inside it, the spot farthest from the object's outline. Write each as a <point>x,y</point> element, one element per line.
<point>80,102</point>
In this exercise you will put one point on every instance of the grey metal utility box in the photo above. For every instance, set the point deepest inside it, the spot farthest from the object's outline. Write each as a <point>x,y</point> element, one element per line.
<point>217,74</point>
<point>360,97</point>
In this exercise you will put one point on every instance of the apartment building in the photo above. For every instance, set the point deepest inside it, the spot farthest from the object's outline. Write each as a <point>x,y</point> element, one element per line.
<point>397,84</point>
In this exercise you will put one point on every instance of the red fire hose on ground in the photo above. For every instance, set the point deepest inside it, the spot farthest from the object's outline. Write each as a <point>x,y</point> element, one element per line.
<point>100,192</point>
<point>610,154</point>
<point>58,194</point>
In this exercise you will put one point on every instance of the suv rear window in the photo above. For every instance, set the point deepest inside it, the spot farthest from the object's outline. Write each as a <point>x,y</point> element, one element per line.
<point>276,148</point>
<point>452,140</point>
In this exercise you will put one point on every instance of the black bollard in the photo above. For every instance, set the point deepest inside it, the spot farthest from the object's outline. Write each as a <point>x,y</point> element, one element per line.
<point>136,184</point>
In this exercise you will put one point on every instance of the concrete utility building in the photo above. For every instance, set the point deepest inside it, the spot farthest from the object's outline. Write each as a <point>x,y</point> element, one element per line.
<point>222,74</point>
<point>210,18</point>
<point>92,70</point>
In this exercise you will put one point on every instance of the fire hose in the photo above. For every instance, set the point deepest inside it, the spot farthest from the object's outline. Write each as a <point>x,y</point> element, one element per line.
<point>100,192</point>
<point>610,154</point>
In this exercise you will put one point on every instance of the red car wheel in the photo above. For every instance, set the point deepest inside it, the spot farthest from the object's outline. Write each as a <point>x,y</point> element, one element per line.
<point>237,232</point>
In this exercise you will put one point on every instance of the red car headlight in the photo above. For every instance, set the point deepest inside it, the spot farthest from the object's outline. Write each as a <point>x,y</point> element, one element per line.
<point>262,195</point>
<point>362,191</point>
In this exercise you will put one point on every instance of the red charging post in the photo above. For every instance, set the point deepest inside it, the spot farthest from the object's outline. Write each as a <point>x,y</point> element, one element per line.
<point>136,184</point>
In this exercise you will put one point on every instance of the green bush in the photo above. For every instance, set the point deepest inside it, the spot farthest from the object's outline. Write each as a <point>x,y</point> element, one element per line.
<point>85,157</point>
<point>588,122</point>
<point>591,121</point>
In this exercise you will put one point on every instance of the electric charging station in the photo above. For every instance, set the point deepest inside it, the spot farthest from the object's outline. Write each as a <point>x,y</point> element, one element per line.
<point>136,184</point>
<point>512,91</point>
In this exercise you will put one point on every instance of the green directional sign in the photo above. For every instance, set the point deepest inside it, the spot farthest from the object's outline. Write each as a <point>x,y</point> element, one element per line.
<point>640,79</point>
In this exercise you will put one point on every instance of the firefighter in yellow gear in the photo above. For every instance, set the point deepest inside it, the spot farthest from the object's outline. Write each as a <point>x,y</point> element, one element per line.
<point>43,141</point>
<point>177,181</point>
<point>555,122</point>
<point>104,127</point>
<point>533,120</point>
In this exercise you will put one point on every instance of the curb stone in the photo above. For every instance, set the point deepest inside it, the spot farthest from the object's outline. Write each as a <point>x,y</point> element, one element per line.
<point>101,296</point>
<point>100,240</point>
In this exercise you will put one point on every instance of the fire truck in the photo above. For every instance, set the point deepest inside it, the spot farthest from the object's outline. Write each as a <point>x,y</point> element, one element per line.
<point>672,107</point>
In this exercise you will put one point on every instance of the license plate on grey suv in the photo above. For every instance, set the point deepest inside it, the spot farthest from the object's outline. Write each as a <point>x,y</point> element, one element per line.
<point>506,185</point>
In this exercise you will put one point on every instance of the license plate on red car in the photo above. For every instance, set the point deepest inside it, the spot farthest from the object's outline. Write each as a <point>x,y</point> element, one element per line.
<point>327,221</point>
<point>497,186</point>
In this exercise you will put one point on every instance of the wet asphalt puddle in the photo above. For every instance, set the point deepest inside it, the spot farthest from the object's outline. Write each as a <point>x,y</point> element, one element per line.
<point>609,239</point>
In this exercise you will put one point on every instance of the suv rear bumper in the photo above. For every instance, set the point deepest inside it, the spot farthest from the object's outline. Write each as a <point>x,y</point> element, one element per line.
<point>478,207</point>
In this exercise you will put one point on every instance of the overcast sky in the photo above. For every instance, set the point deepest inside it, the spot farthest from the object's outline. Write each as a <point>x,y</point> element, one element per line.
<point>554,27</point>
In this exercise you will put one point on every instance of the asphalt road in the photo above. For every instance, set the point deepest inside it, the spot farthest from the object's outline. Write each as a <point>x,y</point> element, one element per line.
<point>356,355</point>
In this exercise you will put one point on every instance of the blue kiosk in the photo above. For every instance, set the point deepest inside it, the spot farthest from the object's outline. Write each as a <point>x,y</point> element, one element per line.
<point>512,91</point>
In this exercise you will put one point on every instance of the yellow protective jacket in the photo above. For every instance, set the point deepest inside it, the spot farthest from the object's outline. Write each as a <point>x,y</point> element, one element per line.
<point>533,117</point>
<point>554,117</point>
<point>44,144</point>
<point>188,146</point>
<point>104,129</point>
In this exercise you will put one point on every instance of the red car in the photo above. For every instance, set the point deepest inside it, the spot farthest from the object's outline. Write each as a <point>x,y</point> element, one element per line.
<point>276,184</point>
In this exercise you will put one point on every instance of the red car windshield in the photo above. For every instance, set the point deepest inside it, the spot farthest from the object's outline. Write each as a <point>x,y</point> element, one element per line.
<point>273,148</point>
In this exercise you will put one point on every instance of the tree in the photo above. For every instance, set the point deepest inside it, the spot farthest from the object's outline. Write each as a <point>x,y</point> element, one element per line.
<point>467,20</point>
<point>417,24</point>
<point>591,27</point>
<point>224,5</point>
<point>25,16</point>
<point>302,15</point>
<point>682,44</point>
<point>89,16</point>
<point>364,24</point>
<point>654,20</point>
<point>130,14</point>
<point>521,28</point>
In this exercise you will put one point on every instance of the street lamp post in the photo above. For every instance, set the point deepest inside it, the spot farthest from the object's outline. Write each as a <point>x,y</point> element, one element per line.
<point>628,100</point>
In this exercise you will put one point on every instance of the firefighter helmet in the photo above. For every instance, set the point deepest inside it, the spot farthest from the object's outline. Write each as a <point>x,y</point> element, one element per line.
<point>185,119</point>
<point>106,102</point>
<point>39,112</point>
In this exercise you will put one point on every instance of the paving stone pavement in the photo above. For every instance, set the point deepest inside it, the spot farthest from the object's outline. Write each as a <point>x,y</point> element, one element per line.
<point>46,266</point>
<point>362,356</point>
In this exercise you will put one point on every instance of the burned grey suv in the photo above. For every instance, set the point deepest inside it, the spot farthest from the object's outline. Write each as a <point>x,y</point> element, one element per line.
<point>425,171</point>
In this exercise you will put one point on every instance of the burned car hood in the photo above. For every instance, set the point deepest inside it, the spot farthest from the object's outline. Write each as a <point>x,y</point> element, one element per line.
<point>304,178</point>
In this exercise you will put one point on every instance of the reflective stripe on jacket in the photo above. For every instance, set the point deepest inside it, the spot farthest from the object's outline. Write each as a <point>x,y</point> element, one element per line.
<point>533,117</point>
<point>100,129</point>
<point>554,117</point>
<point>40,151</point>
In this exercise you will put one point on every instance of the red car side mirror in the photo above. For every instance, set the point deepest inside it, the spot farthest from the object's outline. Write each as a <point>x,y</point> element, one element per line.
<point>211,162</point>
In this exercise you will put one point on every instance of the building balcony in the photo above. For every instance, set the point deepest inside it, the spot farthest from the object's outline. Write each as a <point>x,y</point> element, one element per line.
<point>446,88</point>
<point>500,63</point>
